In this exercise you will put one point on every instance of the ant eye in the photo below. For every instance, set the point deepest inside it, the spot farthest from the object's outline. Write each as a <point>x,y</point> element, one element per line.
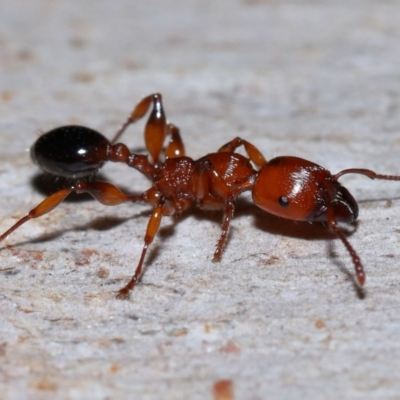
<point>283,201</point>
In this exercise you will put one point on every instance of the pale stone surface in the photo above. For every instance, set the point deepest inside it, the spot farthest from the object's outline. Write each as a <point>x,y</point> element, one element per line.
<point>279,316</point>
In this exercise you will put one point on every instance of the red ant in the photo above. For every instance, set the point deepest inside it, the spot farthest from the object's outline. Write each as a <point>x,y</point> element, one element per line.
<point>289,187</point>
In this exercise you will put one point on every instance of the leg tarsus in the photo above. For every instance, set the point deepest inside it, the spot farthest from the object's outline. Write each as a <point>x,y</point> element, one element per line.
<point>123,293</point>
<point>228,215</point>
<point>156,129</point>
<point>151,231</point>
<point>47,205</point>
<point>358,266</point>
<point>138,112</point>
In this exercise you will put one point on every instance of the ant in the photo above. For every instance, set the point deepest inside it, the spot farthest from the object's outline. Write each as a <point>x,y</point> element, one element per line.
<point>289,187</point>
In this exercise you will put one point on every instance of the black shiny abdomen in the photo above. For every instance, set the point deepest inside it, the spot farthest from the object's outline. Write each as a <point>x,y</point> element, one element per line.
<point>70,151</point>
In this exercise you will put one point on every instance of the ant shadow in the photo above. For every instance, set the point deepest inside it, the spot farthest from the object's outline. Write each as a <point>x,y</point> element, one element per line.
<point>303,230</point>
<point>47,184</point>
<point>272,224</point>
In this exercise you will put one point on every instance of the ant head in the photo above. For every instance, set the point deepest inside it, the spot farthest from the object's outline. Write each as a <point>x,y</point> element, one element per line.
<point>300,190</point>
<point>70,151</point>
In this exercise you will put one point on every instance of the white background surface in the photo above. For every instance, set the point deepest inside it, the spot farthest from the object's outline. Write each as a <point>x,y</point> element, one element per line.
<point>279,316</point>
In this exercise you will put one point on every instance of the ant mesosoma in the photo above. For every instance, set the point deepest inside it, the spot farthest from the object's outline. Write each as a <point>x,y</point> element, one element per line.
<point>289,187</point>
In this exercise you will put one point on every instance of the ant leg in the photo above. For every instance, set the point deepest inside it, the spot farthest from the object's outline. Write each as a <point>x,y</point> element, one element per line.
<point>228,215</point>
<point>156,126</point>
<point>151,231</point>
<point>140,110</point>
<point>103,192</point>
<point>210,185</point>
<point>44,207</point>
<point>251,150</point>
<point>107,193</point>
<point>175,146</point>
<point>360,274</point>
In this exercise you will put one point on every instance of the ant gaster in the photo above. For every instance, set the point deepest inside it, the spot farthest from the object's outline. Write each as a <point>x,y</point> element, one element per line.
<point>289,187</point>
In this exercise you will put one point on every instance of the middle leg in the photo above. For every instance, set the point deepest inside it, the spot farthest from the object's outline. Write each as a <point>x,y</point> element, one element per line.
<point>151,231</point>
<point>212,192</point>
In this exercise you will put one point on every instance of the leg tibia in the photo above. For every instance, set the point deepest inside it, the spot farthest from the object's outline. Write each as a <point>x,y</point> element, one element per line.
<point>358,267</point>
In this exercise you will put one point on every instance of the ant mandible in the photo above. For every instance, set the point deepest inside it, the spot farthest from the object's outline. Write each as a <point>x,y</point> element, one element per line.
<point>289,187</point>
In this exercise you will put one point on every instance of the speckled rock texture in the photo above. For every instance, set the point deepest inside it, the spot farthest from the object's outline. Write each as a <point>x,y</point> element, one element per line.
<point>279,317</point>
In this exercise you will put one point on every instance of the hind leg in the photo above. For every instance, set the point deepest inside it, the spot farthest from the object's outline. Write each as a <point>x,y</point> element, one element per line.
<point>103,192</point>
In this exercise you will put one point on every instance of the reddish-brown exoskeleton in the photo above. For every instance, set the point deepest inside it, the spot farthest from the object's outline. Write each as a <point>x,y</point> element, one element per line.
<point>289,187</point>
